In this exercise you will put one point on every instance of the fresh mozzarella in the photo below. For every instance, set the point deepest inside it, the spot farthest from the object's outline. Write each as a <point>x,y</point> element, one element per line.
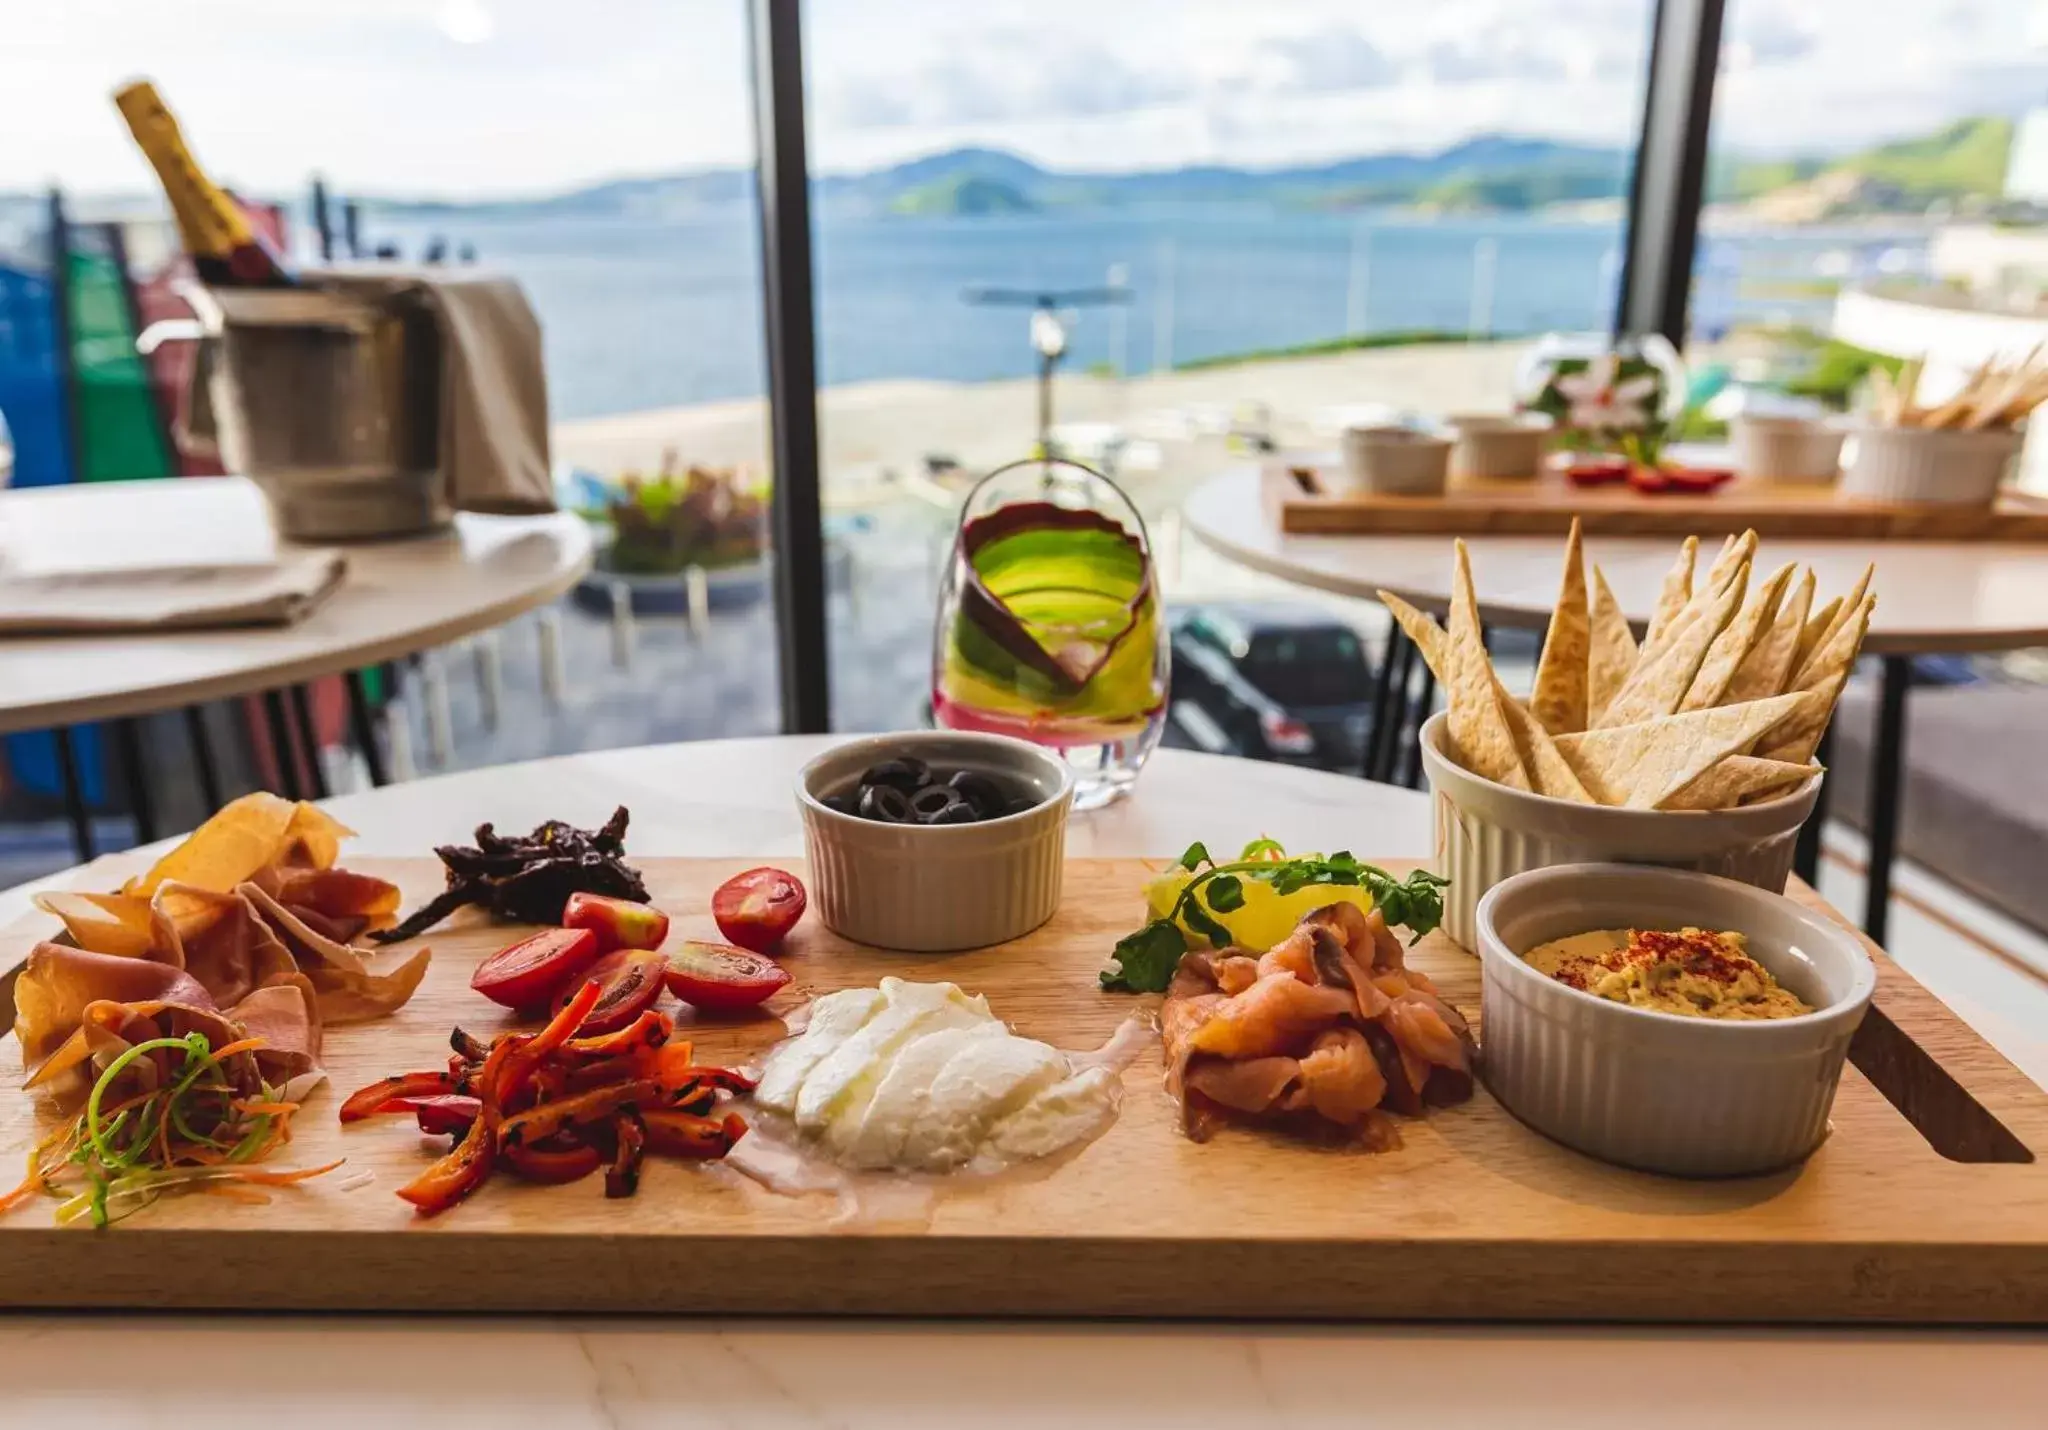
<point>979,1085</point>
<point>1059,1116</point>
<point>834,1018</point>
<point>843,1080</point>
<point>876,1138</point>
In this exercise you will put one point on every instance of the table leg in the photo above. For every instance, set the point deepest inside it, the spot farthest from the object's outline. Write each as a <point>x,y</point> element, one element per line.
<point>1389,745</point>
<point>365,728</point>
<point>308,742</point>
<point>128,745</point>
<point>202,756</point>
<point>281,745</point>
<point>1887,787</point>
<point>1410,773</point>
<point>74,797</point>
<point>1806,849</point>
<point>1382,701</point>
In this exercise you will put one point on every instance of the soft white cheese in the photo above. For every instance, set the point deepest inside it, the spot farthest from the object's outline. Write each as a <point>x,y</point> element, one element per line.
<point>920,1076</point>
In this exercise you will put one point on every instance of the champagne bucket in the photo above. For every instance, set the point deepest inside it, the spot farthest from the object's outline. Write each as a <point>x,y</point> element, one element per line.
<point>330,404</point>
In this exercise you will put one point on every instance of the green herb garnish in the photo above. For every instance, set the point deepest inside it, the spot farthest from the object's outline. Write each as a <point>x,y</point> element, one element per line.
<point>1144,962</point>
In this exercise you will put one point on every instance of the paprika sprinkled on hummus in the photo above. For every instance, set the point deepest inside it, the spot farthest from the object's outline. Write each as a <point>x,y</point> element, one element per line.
<point>1696,973</point>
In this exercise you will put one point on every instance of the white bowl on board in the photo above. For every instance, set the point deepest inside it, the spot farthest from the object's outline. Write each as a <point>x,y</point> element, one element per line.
<point>1802,451</point>
<point>1693,1097</point>
<point>1396,461</point>
<point>1499,446</point>
<point>936,888</point>
<point>1486,832</point>
<point>1933,465</point>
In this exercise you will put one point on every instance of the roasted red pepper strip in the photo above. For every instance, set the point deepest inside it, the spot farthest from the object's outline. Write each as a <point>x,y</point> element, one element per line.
<point>467,1047</point>
<point>603,1074</point>
<point>597,1105</point>
<point>441,1115</point>
<point>459,1173</point>
<point>673,1071</point>
<point>679,1134</point>
<point>650,1030</point>
<point>554,1162</point>
<point>369,1101</point>
<point>622,1177</point>
<point>535,1050</point>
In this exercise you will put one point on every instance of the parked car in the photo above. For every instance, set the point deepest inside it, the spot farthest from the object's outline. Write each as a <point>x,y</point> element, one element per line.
<point>1271,681</point>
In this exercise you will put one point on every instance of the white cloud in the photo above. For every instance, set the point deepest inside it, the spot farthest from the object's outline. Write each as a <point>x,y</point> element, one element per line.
<point>468,97</point>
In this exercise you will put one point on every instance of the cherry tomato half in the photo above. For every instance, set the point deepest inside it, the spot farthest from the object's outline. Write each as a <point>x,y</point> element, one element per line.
<point>532,971</point>
<point>1698,479</point>
<point>630,979</point>
<point>721,979</point>
<point>618,923</point>
<point>756,909</point>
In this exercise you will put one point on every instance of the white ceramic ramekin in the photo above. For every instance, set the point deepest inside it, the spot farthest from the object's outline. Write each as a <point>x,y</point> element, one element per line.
<point>1396,461</point>
<point>1493,446</point>
<point>1918,464</point>
<point>1486,832</point>
<point>936,888</point>
<point>1694,1097</point>
<point>1797,450</point>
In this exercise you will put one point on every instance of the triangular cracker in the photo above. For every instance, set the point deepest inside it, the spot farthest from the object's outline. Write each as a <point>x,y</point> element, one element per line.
<point>1613,652</point>
<point>1734,644</point>
<point>1734,551</point>
<point>1817,625</point>
<point>1559,697</point>
<point>1548,771</point>
<point>1735,779</point>
<point>1820,687</point>
<point>1677,590</point>
<point>1643,764</point>
<point>1802,672</point>
<point>1766,669</point>
<point>1661,679</point>
<point>1428,636</point>
<point>1479,729</point>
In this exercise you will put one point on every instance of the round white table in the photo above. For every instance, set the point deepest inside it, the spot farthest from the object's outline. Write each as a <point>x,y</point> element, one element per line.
<point>733,797</point>
<point>398,598</point>
<point>1934,598</point>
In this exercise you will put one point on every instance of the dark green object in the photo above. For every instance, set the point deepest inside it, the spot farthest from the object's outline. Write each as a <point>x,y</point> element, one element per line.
<point>120,425</point>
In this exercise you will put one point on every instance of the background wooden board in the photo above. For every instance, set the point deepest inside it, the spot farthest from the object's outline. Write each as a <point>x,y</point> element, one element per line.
<point>1545,506</point>
<point>1474,1216</point>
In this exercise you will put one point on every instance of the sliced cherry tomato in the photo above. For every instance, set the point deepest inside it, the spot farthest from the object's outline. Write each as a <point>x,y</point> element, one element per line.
<point>618,923</point>
<point>1597,471</point>
<point>629,980</point>
<point>720,978</point>
<point>1697,479</point>
<point>1650,481</point>
<point>758,908</point>
<point>532,971</point>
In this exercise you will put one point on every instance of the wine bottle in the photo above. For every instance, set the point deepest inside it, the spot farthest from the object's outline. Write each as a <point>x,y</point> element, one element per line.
<point>225,250</point>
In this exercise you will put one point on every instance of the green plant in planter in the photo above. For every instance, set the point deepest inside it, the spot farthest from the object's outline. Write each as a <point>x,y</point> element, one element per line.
<point>1610,402</point>
<point>664,524</point>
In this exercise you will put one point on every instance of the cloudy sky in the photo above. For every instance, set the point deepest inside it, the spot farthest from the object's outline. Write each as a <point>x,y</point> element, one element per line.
<point>474,97</point>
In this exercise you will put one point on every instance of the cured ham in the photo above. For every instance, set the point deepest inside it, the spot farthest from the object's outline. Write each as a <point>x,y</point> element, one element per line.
<point>241,931</point>
<point>1329,1028</point>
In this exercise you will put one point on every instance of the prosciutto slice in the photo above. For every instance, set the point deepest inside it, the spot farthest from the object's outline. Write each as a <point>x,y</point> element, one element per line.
<point>1328,1029</point>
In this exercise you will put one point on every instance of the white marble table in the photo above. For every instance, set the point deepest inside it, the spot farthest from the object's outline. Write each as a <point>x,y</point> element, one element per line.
<point>732,797</point>
<point>399,597</point>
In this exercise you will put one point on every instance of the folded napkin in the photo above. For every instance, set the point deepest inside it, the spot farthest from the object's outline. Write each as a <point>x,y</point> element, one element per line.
<point>494,388</point>
<point>169,598</point>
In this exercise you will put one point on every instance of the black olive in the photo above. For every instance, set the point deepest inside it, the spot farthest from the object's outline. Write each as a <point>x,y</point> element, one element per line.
<point>932,801</point>
<point>987,797</point>
<point>885,803</point>
<point>845,802</point>
<point>960,812</point>
<point>905,774</point>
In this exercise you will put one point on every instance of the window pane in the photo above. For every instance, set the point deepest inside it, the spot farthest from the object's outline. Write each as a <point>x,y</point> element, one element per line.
<point>1876,174</point>
<point>1253,223</point>
<point>601,156</point>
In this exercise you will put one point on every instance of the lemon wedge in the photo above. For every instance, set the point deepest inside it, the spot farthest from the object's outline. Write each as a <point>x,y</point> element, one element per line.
<point>1265,919</point>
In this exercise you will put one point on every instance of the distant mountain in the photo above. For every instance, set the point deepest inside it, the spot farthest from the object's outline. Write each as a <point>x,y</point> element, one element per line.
<point>1490,171</point>
<point>1964,160</point>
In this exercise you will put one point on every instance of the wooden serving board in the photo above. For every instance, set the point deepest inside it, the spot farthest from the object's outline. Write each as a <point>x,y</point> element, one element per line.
<point>1301,503</point>
<point>1474,1216</point>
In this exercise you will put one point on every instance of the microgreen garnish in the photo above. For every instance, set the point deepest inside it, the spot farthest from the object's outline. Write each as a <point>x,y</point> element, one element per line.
<point>1144,962</point>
